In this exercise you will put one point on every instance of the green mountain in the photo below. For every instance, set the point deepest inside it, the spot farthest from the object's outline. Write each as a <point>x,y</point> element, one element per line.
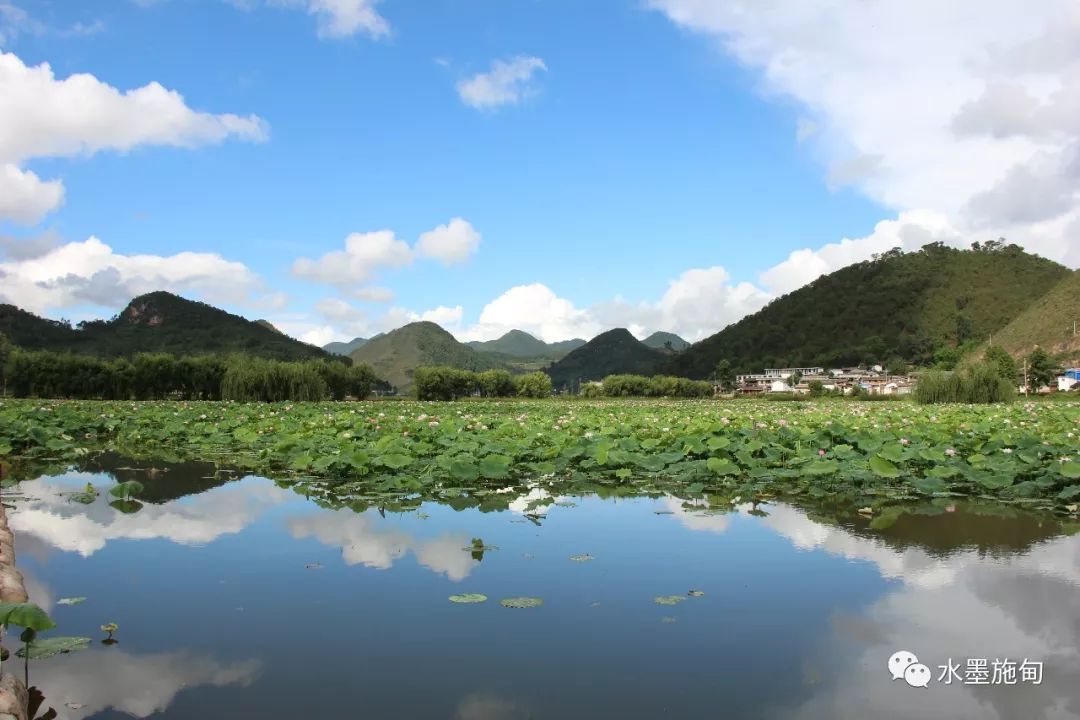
<point>345,348</point>
<point>1052,322</point>
<point>395,355</point>
<point>660,340</point>
<point>615,351</point>
<point>898,305</point>
<point>155,322</point>
<point>518,343</point>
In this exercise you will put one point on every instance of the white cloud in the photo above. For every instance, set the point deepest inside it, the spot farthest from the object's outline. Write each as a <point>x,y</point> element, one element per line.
<point>364,253</point>
<point>537,310</point>
<point>507,83</point>
<point>43,116</point>
<point>367,253</point>
<point>25,198</point>
<point>14,21</point>
<point>696,304</point>
<point>374,294</point>
<point>340,18</point>
<point>90,273</point>
<point>450,243</point>
<point>925,106</point>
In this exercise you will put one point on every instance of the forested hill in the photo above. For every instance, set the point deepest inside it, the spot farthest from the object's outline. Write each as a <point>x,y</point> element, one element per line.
<point>613,352</point>
<point>669,342</point>
<point>395,355</point>
<point>520,344</point>
<point>156,322</point>
<point>1052,322</point>
<point>898,306</point>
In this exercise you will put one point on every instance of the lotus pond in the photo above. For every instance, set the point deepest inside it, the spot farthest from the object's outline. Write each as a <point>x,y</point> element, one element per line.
<point>495,561</point>
<point>877,453</point>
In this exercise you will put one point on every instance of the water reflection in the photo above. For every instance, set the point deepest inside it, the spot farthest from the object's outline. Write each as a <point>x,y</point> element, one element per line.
<point>84,684</point>
<point>47,513</point>
<point>365,540</point>
<point>802,607</point>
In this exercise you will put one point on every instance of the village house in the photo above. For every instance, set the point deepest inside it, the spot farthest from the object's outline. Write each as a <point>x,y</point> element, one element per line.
<point>1068,380</point>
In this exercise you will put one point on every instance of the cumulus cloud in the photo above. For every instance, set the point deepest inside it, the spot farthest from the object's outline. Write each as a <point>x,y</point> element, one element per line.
<point>537,310</point>
<point>696,304</point>
<point>368,252</point>
<point>450,243</point>
<point>44,116</point>
<point>90,272</point>
<point>508,82</point>
<point>342,18</point>
<point>925,107</point>
<point>364,253</point>
<point>25,198</point>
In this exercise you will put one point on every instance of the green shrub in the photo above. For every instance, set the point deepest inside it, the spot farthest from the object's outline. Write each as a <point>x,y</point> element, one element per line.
<point>533,385</point>
<point>496,383</point>
<point>443,383</point>
<point>625,386</point>
<point>592,390</point>
<point>982,383</point>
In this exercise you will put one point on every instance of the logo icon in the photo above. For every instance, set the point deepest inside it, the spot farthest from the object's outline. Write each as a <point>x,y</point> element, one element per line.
<point>917,675</point>
<point>899,661</point>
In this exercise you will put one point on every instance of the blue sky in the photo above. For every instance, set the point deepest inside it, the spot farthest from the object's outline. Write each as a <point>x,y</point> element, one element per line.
<point>671,164</point>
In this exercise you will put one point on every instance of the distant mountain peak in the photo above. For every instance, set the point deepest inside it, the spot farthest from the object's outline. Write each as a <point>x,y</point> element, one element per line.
<point>612,352</point>
<point>666,341</point>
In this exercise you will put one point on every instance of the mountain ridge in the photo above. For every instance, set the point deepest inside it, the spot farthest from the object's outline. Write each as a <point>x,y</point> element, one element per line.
<point>904,306</point>
<point>156,322</point>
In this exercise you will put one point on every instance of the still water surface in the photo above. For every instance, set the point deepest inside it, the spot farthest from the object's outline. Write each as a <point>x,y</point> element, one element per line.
<point>237,598</point>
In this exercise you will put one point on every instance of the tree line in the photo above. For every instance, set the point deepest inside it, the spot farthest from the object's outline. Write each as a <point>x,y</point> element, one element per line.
<point>643,386</point>
<point>156,376</point>
<point>994,379</point>
<point>447,383</point>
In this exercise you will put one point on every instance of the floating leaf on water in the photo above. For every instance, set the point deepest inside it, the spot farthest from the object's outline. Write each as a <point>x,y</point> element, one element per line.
<point>469,598</point>
<point>662,512</point>
<point>126,489</point>
<point>70,601</point>
<point>669,599</point>
<point>667,620</point>
<point>566,504</point>
<point>696,593</point>
<point>83,497</point>
<point>582,558</point>
<point>866,511</point>
<point>25,615</point>
<point>314,566</point>
<point>595,604</point>
<point>127,507</point>
<point>48,647</point>
<point>521,602</point>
